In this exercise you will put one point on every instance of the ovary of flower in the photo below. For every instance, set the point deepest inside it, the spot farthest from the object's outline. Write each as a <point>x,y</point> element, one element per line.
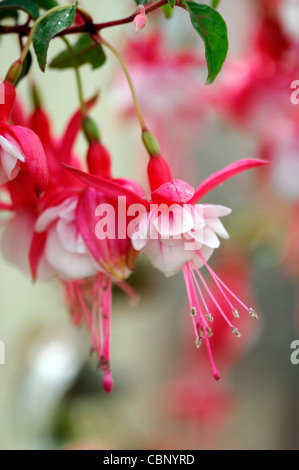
<point>65,249</point>
<point>11,157</point>
<point>140,20</point>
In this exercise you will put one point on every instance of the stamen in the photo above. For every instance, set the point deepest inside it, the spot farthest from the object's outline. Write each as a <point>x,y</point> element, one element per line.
<point>236,313</point>
<point>213,274</point>
<point>198,342</point>
<point>211,295</point>
<point>194,300</point>
<point>189,294</point>
<point>193,312</point>
<point>209,332</point>
<point>253,313</point>
<point>236,332</point>
<point>209,317</point>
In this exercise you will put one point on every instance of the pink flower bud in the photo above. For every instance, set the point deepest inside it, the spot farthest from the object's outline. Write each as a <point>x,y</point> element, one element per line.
<point>140,20</point>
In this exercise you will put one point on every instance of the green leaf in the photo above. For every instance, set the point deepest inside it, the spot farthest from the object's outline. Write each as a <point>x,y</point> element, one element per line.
<point>47,4</point>
<point>212,28</point>
<point>85,52</point>
<point>171,3</point>
<point>49,28</point>
<point>215,3</point>
<point>25,67</point>
<point>142,2</point>
<point>29,6</point>
<point>14,14</point>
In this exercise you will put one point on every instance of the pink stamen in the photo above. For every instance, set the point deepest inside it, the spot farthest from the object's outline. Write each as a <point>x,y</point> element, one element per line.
<point>193,301</point>
<point>187,283</point>
<point>211,295</point>
<point>213,274</point>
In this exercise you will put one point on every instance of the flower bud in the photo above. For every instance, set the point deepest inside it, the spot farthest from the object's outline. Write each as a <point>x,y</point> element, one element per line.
<point>140,20</point>
<point>158,172</point>
<point>99,160</point>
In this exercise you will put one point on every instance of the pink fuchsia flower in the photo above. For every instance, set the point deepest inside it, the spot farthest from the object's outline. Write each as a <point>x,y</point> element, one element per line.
<point>140,20</point>
<point>185,240</point>
<point>166,245</point>
<point>88,266</point>
<point>20,149</point>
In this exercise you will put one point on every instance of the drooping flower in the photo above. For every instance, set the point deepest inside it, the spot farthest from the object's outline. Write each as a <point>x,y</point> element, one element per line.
<point>179,235</point>
<point>20,148</point>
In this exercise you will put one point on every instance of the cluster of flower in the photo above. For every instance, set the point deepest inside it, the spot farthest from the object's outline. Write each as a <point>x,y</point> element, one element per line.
<point>55,203</point>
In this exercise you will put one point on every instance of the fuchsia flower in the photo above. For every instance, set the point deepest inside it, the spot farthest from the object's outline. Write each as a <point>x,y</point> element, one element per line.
<point>58,238</point>
<point>20,148</point>
<point>187,223</point>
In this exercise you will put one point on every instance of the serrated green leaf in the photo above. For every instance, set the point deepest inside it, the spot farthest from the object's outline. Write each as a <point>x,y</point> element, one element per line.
<point>50,27</point>
<point>86,51</point>
<point>29,6</point>
<point>25,67</point>
<point>212,28</point>
<point>215,3</point>
<point>47,4</point>
<point>171,3</point>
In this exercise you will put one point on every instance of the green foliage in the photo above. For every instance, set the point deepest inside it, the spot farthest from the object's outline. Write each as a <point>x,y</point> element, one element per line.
<point>52,25</point>
<point>212,29</point>
<point>85,51</point>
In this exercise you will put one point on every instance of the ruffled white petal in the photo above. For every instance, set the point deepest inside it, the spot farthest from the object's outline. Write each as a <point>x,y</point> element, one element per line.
<point>217,226</point>
<point>175,221</point>
<point>211,210</point>
<point>68,265</point>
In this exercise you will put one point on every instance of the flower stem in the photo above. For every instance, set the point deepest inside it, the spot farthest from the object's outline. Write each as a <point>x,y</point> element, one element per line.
<point>77,74</point>
<point>100,40</point>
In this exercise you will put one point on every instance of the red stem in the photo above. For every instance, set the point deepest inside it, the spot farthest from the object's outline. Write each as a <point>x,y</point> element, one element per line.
<point>88,26</point>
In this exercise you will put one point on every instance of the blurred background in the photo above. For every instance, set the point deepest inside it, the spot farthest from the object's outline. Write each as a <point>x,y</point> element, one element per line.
<point>165,397</point>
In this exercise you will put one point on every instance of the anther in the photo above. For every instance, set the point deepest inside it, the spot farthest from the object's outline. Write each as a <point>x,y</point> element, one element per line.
<point>198,342</point>
<point>209,332</point>
<point>236,313</point>
<point>253,313</point>
<point>236,332</point>
<point>193,312</point>
<point>209,317</point>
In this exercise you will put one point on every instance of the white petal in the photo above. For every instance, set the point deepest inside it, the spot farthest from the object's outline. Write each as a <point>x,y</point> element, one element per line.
<point>166,257</point>
<point>207,237</point>
<point>140,237</point>
<point>217,226</point>
<point>175,221</point>
<point>68,234</point>
<point>15,248</point>
<point>65,210</point>
<point>206,252</point>
<point>68,265</point>
<point>12,148</point>
<point>10,165</point>
<point>211,210</point>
